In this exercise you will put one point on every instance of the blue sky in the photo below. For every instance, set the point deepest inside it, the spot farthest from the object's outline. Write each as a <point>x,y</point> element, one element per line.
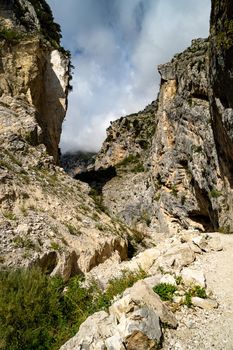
<point>116,46</point>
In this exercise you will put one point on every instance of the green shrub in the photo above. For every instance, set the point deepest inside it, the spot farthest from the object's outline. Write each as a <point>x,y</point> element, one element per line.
<point>132,163</point>
<point>195,291</point>
<point>23,242</point>
<point>9,215</point>
<point>174,191</point>
<point>10,35</point>
<point>30,311</point>
<point>38,313</point>
<point>188,299</point>
<point>55,246</point>
<point>200,292</point>
<point>72,230</point>
<point>165,291</point>
<point>118,285</point>
<point>98,199</point>
<point>214,193</point>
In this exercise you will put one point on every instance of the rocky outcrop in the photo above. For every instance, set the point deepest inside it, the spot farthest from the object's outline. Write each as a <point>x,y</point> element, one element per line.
<point>167,167</point>
<point>42,74</point>
<point>139,318</point>
<point>133,322</point>
<point>47,219</point>
<point>129,136</point>
<point>77,162</point>
<point>185,166</point>
<point>221,99</point>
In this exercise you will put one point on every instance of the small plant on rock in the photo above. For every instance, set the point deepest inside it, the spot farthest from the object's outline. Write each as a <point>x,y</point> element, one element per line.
<point>165,291</point>
<point>72,230</point>
<point>195,291</point>
<point>214,193</point>
<point>9,215</point>
<point>55,246</point>
<point>118,285</point>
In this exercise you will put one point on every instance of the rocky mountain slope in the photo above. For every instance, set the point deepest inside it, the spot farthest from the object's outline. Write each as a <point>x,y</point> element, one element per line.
<point>146,204</point>
<point>169,168</point>
<point>46,218</point>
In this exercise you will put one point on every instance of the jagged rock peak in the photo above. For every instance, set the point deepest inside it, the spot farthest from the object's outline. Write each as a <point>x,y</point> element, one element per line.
<point>128,136</point>
<point>30,16</point>
<point>34,66</point>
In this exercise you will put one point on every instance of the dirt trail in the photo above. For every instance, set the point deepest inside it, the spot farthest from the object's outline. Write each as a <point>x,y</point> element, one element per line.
<point>202,329</point>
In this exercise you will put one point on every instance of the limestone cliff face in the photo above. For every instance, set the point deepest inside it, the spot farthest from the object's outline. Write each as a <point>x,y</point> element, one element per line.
<point>186,176</point>
<point>46,218</point>
<point>177,183</point>
<point>124,161</point>
<point>221,97</point>
<point>128,136</point>
<point>185,167</point>
<point>32,66</point>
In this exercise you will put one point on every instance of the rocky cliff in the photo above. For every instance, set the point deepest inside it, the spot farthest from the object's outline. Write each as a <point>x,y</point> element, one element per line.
<point>167,168</point>
<point>34,65</point>
<point>163,175</point>
<point>171,169</point>
<point>172,161</point>
<point>220,92</point>
<point>46,218</point>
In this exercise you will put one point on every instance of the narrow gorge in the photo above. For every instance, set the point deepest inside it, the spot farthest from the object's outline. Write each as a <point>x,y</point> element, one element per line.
<point>136,239</point>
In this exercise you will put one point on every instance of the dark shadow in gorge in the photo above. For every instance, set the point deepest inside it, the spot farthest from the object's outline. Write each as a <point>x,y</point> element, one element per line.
<point>97,179</point>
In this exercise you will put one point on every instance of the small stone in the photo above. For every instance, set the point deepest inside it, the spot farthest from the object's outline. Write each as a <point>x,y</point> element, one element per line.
<point>168,279</point>
<point>195,248</point>
<point>114,342</point>
<point>201,242</point>
<point>178,299</point>
<point>141,295</point>
<point>191,276</point>
<point>152,280</point>
<point>214,243</point>
<point>207,304</point>
<point>23,229</point>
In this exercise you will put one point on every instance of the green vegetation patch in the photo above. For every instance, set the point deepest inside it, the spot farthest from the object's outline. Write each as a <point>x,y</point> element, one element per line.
<point>10,35</point>
<point>49,29</point>
<point>39,313</point>
<point>30,310</point>
<point>195,291</point>
<point>73,230</point>
<point>214,193</point>
<point>224,38</point>
<point>165,291</point>
<point>9,215</point>
<point>24,242</point>
<point>98,199</point>
<point>118,285</point>
<point>132,163</point>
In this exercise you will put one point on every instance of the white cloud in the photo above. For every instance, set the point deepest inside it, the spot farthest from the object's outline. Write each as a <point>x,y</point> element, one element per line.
<point>116,48</point>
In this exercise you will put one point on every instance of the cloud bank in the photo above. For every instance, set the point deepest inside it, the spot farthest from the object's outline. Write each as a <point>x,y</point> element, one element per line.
<point>116,46</point>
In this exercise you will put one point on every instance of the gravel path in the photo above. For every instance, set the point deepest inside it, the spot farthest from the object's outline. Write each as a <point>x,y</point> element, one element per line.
<point>202,329</point>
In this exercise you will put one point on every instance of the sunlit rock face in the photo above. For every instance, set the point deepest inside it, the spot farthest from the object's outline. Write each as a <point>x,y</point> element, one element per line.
<point>165,157</point>
<point>47,219</point>
<point>184,161</point>
<point>221,97</point>
<point>32,66</point>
